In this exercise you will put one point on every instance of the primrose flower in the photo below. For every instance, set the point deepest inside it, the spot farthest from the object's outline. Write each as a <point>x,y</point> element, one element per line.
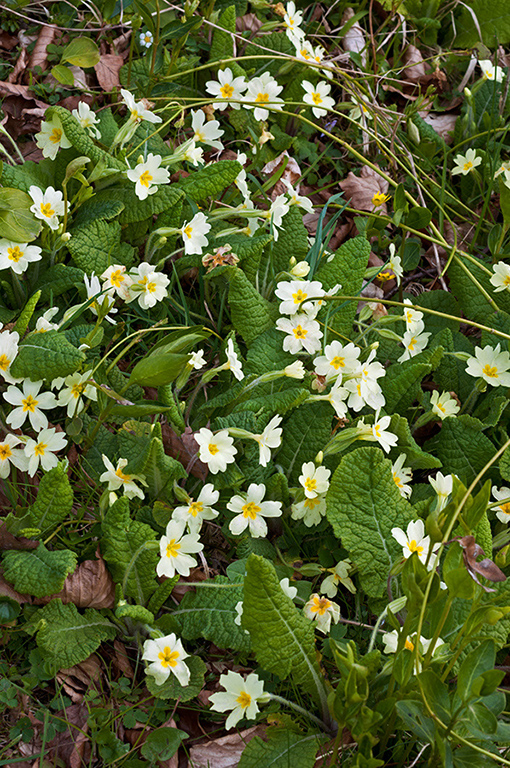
<point>264,92</point>
<point>466,163</point>
<point>215,450</point>
<point>377,433</point>
<point>87,119</point>
<point>337,396</point>
<point>197,360</point>
<point>443,486</point>
<point>501,277</point>
<point>271,437</point>
<point>490,72</point>
<point>251,510</point>
<point>194,233</point>
<point>42,450</point>
<point>300,200</point>
<point>11,455</point>
<point>197,511</point>
<point>233,363</point>
<point>138,109</point>
<point>227,87</point>
<point>148,286</point>
<point>443,405</point>
<point>116,478</point>
<point>295,370</point>
<point>293,292</point>
<point>241,696</point>
<point>29,403</point>
<point>8,351</point>
<point>491,365</point>
<point>360,108</point>
<point>302,333</point>
<point>146,39</point>
<point>413,318</point>
<point>395,264</point>
<point>292,20</point>
<point>206,132</point>
<point>116,280</point>
<point>44,323</point>
<point>310,511</point>
<point>101,302</point>
<point>51,138</point>
<point>414,343</point>
<point>315,480</point>
<point>391,639</point>
<point>503,513</point>
<point>287,589</point>
<point>175,548</point>
<point>301,269</point>
<point>414,540</point>
<point>338,575</point>
<point>147,176</point>
<point>75,390</point>
<point>166,655</point>
<point>317,97</point>
<point>336,360</point>
<point>48,205</point>
<point>190,152</point>
<point>17,256</point>
<point>323,611</point>
<point>402,475</point>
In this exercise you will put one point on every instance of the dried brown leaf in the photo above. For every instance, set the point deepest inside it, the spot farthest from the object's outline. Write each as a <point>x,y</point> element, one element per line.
<point>224,752</point>
<point>8,541</point>
<point>184,449</point>
<point>361,189</point>
<point>107,71</point>
<point>7,590</point>
<point>7,41</point>
<point>90,586</point>
<point>443,124</point>
<point>39,57</point>
<point>248,23</point>
<point>121,659</point>
<point>414,69</point>
<point>354,40</point>
<point>486,568</point>
<point>19,67</point>
<point>78,679</point>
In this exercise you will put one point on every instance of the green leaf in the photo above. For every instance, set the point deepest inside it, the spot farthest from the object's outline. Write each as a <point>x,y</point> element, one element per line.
<point>210,181</point>
<point>480,660</point>
<point>364,504</point>
<point>26,314</point>
<point>417,458</point>
<point>166,198</point>
<point>347,268</point>
<point>306,432</point>
<point>135,613</point>
<point>267,354</point>
<point>251,313</point>
<point>223,43</point>
<point>462,448</point>
<point>46,356</point>
<point>282,638</point>
<point>162,743</point>
<point>39,572</point>
<point>54,500</point>
<point>68,637</point>
<point>57,280</point>
<point>81,140</point>
<point>94,246</point>
<point>493,22</point>
<point>402,384</point>
<point>82,52</point>
<point>97,209</point>
<point>281,402</point>
<point>63,74</point>
<point>209,612</point>
<point>172,689</point>
<point>17,222</point>
<point>162,593</point>
<point>249,251</point>
<point>474,305</point>
<point>292,241</point>
<point>131,551</point>
<point>283,748</point>
<point>158,368</point>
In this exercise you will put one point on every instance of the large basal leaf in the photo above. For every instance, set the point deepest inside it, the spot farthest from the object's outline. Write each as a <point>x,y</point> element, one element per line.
<point>402,384</point>
<point>283,639</point>
<point>417,458</point>
<point>292,241</point>
<point>283,748</point>
<point>306,432</point>
<point>251,313</point>
<point>39,572</point>
<point>96,245</point>
<point>492,20</point>
<point>474,304</point>
<point>172,689</point>
<point>267,354</point>
<point>223,43</point>
<point>54,500</point>
<point>210,181</point>
<point>462,447</point>
<point>364,504</point>
<point>210,612</point>
<point>67,637</point>
<point>124,547</point>
<point>57,280</point>
<point>81,140</point>
<point>46,356</point>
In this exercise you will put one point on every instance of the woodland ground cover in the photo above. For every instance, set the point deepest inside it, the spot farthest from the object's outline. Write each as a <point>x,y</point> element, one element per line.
<point>254,376</point>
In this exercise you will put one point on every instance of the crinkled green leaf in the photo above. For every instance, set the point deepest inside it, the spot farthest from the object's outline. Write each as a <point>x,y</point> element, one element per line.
<point>401,385</point>
<point>67,637</point>
<point>22,177</point>
<point>461,446</point>
<point>46,356</point>
<point>282,749</point>
<point>267,353</point>
<point>57,280</point>
<point>282,638</point>
<point>26,314</point>
<point>223,43</point>
<point>417,458</point>
<point>209,612</point>
<point>251,313</point>
<point>292,241</point>
<point>17,222</point>
<point>364,504</point>
<point>249,251</point>
<point>81,140</point>
<point>124,546</point>
<point>38,572</point>
<point>135,613</point>
<point>172,689</point>
<point>474,304</point>
<point>440,301</point>
<point>165,199</point>
<point>210,181</point>
<point>305,433</point>
<point>53,503</point>
<point>280,402</point>
<point>97,209</point>
<point>94,246</point>
<point>161,595</point>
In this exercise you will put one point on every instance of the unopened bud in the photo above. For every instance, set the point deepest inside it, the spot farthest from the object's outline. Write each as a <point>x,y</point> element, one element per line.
<point>65,237</point>
<point>319,458</point>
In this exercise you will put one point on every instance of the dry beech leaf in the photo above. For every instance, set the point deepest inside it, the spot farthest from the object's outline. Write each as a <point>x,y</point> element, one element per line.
<point>443,124</point>
<point>361,189</point>
<point>224,752</point>
<point>90,586</point>
<point>184,449</point>
<point>291,173</point>
<point>354,40</point>
<point>20,66</point>
<point>107,71</point>
<point>76,680</point>
<point>39,57</point>
<point>248,23</point>
<point>486,568</point>
<point>121,659</point>
<point>8,541</point>
<point>7,590</point>
<point>414,69</point>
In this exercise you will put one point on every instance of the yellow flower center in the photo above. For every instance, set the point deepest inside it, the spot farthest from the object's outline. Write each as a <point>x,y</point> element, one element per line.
<point>199,136</point>
<point>320,605</point>
<point>4,362</point>
<point>377,430</point>
<point>251,510</point>
<point>77,390</point>
<point>305,54</point>
<point>299,332</point>
<point>244,700</point>
<point>398,481</point>
<point>117,278</point>
<point>491,371</point>
<point>467,165</point>
<point>413,546</point>
<point>409,645</point>
<point>29,404</point>
<point>188,231</point>
<point>47,210</point>
<point>412,343</point>
<point>299,296</point>
<point>5,452</point>
<point>213,449</point>
<point>120,474</point>
<point>172,548</point>
<point>151,287</point>
<point>310,484</point>
<point>135,115</point>
<point>338,362</point>
<point>440,407</point>
<point>145,179</point>
<point>262,98</point>
<point>226,91</point>
<point>316,98</point>
<point>312,503</point>
<point>195,508</point>
<point>14,254</point>
<point>506,280</point>
<point>168,658</point>
<point>505,508</point>
<point>40,448</point>
<point>56,135</point>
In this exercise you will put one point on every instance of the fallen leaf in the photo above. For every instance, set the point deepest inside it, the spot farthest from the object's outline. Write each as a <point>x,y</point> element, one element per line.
<point>90,586</point>
<point>7,41</point>
<point>184,449</point>
<point>107,71</point>
<point>414,69</point>
<point>39,57</point>
<point>121,659</point>
<point>471,551</point>
<point>224,752</point>
<point>291,173</point>
<point>8,541</point>
<point>78,679</point>
<point>248,23</point>
<point>7,590</point>
<point>443,124</point>
<point>354,40</point>
<point>361,189</point>
<point>19,67</point>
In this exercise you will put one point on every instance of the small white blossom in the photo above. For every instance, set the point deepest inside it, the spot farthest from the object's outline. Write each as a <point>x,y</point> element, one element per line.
<point>310,511</point>
<point>278,209</point>
<point>338,575</point>
<point>197,360</point>
<point>301,269</point>
<point>117,478</point>
<point>44,323</point>
<point>402,475</point>
<point>87,118</point>
<point>413,318</point>
<point>8,351</point>
<point>315,480</point>
<point>391,640</point>
<point>503,513</point>
<point>317,96</point>
<point>443,486</point>
<point>287,589</point>
<point>75,390</point>
<point>194,233</point>
<point>215,450</point>
<point>292,294</point>
<point>197,511</point>
<point>323,611</point>
<point>414,343</point>
<point>336,360</point>
<point>11,455</point>
<point>295,370</point>
<point>206,132</point>
<point>264,92</point>
<point>42,450</point>
<point>271,437</point>
<point>250,511</point>
<point>148,286</point>
<point>490,72</point>
<point>491,365</point>
<point>377,432</point>
<point>302,333</point>
<point>29,403</point>
<point>292,20</point>
<point>17,256</point>
<point>464,164</point>
<point>241,696</point>
<point>175,549</point>
<point>101,302</point>
<point>48,205</point>
<point>501,277</point>
<point>414,540</point>
<point>233,363</point>
<point>227,87</point>
<point>116,280</point>
<point>395,264</point>
<point>146,39</point>
<point>361,109</point>
<point>444,405</point>
<point>51,138</point>
<point>166,655</point>
<point>138,109</point>
<point>146,176</point>
<point>300,200</point>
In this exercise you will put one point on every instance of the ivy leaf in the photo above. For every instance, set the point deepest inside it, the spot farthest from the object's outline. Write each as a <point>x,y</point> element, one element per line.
<point>462,447</point>
<point>251,313</point>
<point>94,246</point>
<point>283,639</point>
<point>210,181</point>
<point>210,612</point>
<point>39,572</point>
<point>306,432</point>
<point>131,551</point>
<point>172,689</point>
<point>364,504</point>
<point>282,749</point>
<point>46,356</point>
<point>68,637</point>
